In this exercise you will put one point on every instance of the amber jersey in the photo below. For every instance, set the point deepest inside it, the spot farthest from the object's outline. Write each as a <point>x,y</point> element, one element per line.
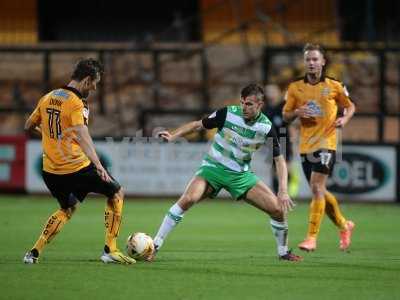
<point>323,98</point>
<point>57,113</point>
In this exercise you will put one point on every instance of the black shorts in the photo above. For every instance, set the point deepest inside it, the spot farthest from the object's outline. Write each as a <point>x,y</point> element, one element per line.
<point>321,161</point>
<point>70,188</point>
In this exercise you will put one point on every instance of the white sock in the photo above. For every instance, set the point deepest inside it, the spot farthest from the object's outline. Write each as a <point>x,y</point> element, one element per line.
<point>280,231</point>
<point>173,217</point>
<point>176,210</point>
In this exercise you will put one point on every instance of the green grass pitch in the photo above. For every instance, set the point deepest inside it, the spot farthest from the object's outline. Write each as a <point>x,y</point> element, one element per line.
<point>221,250</point>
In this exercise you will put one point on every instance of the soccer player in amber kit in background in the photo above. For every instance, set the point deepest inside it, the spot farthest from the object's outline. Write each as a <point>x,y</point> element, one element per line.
<point>315,99</point>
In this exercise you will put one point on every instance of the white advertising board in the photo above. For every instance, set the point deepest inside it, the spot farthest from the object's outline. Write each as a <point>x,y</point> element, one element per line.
<point>143,168</point>
<point>366,173</point>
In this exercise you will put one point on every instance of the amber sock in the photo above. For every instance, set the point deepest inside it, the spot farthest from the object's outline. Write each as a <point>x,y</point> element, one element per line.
<point>112,221</point>
<point>53,226</point>
<point>317,209</point>
<point>332,209</point>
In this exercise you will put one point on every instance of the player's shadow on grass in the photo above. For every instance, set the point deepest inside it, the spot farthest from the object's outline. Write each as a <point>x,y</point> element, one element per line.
<point>363,266</point>
<point>211,258</point>
<point>271,271</point>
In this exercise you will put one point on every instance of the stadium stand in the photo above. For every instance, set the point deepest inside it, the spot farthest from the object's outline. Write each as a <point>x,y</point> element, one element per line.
<point>142,78</point>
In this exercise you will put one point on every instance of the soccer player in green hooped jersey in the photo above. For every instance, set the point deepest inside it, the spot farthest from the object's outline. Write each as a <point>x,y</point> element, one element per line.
<point>241,131</point>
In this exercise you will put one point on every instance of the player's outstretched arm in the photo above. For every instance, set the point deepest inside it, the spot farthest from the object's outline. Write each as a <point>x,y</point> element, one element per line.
<point>283,196</point>
<point>86,143</point>
<point>181,131</point>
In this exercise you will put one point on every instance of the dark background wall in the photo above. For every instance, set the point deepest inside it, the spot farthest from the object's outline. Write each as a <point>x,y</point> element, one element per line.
<point>117,20</point>
<point>369,20</point>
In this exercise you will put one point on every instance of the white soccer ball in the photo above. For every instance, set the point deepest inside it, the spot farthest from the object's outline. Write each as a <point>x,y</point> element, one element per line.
<point>139,246</point>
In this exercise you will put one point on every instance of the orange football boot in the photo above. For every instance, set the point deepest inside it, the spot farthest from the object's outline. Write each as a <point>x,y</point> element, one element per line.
<point>345,236</point>
<point>309,244</point>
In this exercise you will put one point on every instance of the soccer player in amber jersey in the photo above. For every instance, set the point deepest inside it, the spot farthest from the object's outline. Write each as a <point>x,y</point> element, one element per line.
<point>71,167</point>
<point>315,99</point>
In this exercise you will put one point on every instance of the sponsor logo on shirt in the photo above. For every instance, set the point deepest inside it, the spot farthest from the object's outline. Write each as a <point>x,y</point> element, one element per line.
<point>315,108</point>
<point>325,91</point>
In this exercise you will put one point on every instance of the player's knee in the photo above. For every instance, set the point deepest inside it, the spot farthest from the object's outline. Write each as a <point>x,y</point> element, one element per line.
<point>70,211</point>
<point>120,194</point>
<point>277,213</point>
<point>117,197</point>
<point>115,203</point>
<point>317,189</point>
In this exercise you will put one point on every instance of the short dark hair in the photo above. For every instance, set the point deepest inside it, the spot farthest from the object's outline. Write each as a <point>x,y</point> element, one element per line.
<point>253,89</point>
<point>87,67</point>
<point>314,47</point>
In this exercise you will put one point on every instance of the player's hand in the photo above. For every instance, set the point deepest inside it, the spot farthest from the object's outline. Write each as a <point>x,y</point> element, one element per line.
<point>340,122</point>
<point>304,112</point>
<point>165,135</point>
<point>286,203</point>
<point>103,173</point>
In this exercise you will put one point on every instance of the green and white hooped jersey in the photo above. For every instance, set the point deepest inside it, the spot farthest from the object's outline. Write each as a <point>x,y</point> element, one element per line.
<point>236,141</point>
